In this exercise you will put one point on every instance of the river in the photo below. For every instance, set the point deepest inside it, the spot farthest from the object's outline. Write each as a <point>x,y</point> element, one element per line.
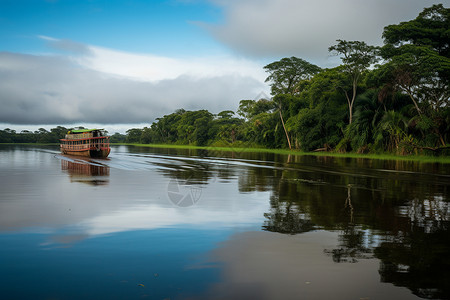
<point>154,223</point>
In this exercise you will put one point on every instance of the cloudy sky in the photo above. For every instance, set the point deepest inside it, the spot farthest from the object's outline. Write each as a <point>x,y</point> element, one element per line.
<point>121,64</point>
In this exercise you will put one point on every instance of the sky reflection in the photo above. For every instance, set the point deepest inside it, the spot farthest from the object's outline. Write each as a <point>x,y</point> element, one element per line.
<point>92,198</point>
<point>262,226</point>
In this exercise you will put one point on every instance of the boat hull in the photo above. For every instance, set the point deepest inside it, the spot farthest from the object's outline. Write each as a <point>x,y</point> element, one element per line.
<point>102,153</point>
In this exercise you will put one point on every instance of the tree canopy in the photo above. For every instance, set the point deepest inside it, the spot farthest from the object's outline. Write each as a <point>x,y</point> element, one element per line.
<point>357,57</point>
<point>287,73</point>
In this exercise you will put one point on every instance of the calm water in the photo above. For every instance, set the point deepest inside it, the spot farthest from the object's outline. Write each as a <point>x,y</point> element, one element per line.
<point>178,224</point>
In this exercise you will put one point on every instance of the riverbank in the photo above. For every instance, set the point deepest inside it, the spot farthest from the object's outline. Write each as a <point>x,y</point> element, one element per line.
<point>385,156</point>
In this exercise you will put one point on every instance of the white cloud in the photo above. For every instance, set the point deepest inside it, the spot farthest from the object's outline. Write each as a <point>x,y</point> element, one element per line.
<point>104,86</point>
<point>146,67</point>
<point>307,28</point>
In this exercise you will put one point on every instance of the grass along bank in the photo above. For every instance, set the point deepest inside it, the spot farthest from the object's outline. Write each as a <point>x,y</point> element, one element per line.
<point>384,156</point>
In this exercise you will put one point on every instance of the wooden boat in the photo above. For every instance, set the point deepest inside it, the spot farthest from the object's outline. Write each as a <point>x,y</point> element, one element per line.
<point>86,142</point>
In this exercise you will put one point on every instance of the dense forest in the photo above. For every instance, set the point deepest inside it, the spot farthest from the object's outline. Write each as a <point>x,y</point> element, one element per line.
<point>393,98</point>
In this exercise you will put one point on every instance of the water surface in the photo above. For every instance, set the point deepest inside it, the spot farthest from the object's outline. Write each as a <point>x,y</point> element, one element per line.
<point>151,223</point>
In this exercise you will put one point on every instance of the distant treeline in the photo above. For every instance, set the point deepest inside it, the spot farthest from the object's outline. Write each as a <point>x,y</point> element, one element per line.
<point>43,136</point>
<point>393,98</point>
<point>39,136</point>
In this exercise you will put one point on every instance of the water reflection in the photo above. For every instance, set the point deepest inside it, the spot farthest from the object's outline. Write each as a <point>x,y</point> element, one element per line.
<point>281,226</point>
<point>418,260</point>
<point>85,171</point>
<point>396,211</point>
<point>266,265</point>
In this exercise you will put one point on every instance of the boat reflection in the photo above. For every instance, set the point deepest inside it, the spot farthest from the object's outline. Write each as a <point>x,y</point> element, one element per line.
<point>85,171</point>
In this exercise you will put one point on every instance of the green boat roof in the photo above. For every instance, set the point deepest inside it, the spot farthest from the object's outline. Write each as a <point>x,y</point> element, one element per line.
<point>83,130</point>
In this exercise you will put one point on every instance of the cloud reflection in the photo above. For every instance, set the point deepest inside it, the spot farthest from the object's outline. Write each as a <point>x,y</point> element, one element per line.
<point>209,215</point>
<point>264,265</point>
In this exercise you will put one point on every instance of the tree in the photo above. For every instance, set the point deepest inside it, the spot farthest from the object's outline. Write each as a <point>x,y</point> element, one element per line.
<point>430,28</point>
<point>393,130</point>
<point>226,114</point>
<point>250,108</point>
<point>134,135</point>
<point>368,113</point>
<point>415,71</point>
<point>167,126</point>
<point>417,53</point>
<point>357,56</point>
<point>117,138</point>
<point>59,131</point>
<point>286,74</point>
<point>147,135</point>
<point>418,56</point>
<point>226,127</point>
<point>282,101</point>
<point>319,126</point>
<point>202,124</point>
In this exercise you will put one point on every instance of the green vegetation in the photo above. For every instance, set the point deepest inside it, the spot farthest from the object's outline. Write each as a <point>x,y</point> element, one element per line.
<point>40,136</point>
<point>391,99</point>
<point>242,149</point>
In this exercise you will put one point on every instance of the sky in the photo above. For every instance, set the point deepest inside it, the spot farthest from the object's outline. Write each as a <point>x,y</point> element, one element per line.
<point>122,64</point>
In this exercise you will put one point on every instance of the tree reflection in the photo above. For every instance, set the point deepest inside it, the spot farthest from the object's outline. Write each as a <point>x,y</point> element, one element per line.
<point>396,217</point>
<point>287,218</point>
<point>186,171</point>
<point>396,211</point>
<point>352,246</point>
<point>417,260</point>
<point>418,257</point>
<point>353,239</point>
<point>348,202</point>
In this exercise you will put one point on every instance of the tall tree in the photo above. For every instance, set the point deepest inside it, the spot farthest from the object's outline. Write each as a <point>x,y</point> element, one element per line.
<point>286,73</point>
<point>417,55</point>
<point>279,99</point>
<point>285,76</point>
<point>357,56</point>
<point>430,28</point>
<point>225,127</point>
<point>250,108</point>
<point>134,135</point>
<point>418,58</point>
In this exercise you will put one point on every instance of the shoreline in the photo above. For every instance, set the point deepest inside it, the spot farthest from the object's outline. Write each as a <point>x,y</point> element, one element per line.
<point>382,156</point>
<point>385,156</point>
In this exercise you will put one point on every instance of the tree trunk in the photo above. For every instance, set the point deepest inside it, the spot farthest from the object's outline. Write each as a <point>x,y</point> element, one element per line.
<point>285,131</point>
<point>350,105</point>
<point>414,101</point>
<point>355,85</point>
<point>233,136</point>
<point>350,112</point>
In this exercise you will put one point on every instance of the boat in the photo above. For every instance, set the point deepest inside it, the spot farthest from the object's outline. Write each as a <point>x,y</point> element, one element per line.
<point>86,142</point>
